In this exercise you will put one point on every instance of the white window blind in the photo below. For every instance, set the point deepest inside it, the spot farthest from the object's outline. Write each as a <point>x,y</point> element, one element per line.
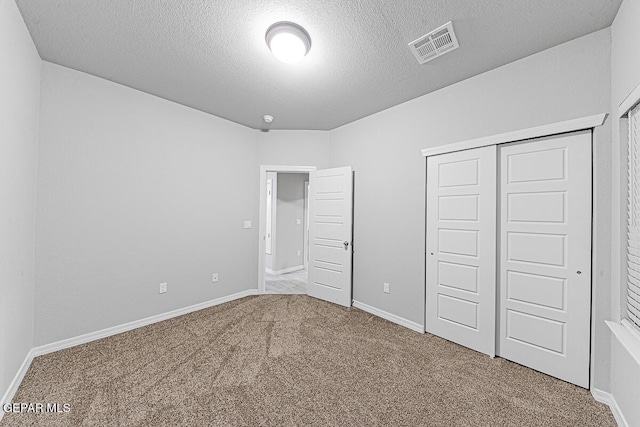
<point>633,239</point>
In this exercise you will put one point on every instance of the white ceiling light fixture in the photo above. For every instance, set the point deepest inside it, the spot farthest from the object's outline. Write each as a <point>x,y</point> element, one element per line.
<point>289,42</point>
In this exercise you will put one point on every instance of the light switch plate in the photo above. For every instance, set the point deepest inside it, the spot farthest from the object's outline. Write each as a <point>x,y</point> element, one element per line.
<point>162,288</point>
<point>386,288</point>
<point>247,224</point>
<point>298,221</point>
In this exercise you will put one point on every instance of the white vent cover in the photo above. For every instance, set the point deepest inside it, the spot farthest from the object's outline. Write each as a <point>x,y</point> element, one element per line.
<point>436,43</point>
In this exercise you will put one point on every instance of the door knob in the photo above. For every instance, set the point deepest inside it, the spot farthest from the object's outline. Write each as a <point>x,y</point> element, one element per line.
<point>346,245</point>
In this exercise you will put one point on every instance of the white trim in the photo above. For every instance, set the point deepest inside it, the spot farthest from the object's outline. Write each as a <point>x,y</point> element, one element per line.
<point>388,316</point>
<point>630,101</point>
<point>607,399</point>
<point>288,270</point>
<point>305,227</point>
<point>535,132</point>
<point>17,379</point>
<point>627,336</point>
<point>601,396</point>
<point>633,329</point>
<point>270,271</point>
<point>262,214</point>
<point>114,330</point>
<point>269,210</point>
<point>287,169</point>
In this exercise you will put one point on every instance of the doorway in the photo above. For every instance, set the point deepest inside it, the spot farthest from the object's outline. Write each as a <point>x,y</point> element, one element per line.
<point>286,233</point>
<point>283,252</point>
<point>329,229</point>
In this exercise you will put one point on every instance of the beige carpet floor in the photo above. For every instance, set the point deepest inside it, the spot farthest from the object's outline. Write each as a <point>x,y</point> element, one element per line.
<point>291,360</point>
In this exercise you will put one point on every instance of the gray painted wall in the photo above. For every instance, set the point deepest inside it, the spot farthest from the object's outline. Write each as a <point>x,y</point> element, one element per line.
<point>19,107</point>
<point>625,77</point>
<point>562,83</point>
<point>290,208</point>
<point>134,190</point>
<point>294,148</point>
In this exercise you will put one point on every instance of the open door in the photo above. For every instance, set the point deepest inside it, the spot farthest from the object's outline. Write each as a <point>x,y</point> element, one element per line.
<point>330,233</point>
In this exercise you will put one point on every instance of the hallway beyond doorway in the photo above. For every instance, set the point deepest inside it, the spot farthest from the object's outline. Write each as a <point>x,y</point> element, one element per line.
<point>289,283</point>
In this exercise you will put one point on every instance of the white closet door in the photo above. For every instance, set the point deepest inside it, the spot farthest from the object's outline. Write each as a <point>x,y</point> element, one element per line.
<point>461,248</point>
<point>545,255</point>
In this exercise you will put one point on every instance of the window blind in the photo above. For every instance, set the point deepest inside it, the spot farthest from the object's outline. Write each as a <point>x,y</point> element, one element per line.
<point>633,210</point>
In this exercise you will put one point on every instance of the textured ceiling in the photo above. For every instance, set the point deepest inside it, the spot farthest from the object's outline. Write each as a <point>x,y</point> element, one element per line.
<point>211,54</point>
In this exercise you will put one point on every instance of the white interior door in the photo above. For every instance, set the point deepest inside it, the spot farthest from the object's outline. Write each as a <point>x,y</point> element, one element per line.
<point>545,255</point>
<point>461,248</point>
<point>330,232</point>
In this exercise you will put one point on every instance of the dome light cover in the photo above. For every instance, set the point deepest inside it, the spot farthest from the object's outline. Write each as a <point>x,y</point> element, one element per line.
<point>289,42</point>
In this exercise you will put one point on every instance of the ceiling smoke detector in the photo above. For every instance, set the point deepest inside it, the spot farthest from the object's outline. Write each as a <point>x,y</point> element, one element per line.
<point>288,42</point>
<point>438,42</point>
<point>267,118</point>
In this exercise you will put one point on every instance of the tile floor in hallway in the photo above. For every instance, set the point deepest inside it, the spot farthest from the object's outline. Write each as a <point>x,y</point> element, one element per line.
<point>290,283</point>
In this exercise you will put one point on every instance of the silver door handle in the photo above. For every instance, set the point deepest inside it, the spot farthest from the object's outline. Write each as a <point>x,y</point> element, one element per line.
<point>346,245</point>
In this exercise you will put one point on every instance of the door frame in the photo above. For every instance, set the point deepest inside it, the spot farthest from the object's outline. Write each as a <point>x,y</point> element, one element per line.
<point>269,216</point>
<point>305,227</point>
<point>262,227</point>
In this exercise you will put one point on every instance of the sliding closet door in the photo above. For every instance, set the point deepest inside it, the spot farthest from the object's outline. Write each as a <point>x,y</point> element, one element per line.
<point>545,255</point>
<point>461,248</point>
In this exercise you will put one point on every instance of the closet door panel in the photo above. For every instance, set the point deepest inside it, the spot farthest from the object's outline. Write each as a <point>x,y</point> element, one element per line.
<point>545,255</point>
<point>461,248</point>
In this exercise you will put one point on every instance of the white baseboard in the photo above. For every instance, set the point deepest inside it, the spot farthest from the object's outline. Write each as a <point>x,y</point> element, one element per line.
<point>17,379</point>
<point>92,336</point>
<point>388,316</point>
<point>607,399</point>
<point>288,270</point>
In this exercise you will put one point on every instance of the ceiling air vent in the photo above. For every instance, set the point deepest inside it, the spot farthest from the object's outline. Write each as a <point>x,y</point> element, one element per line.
<point>436,43</point>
